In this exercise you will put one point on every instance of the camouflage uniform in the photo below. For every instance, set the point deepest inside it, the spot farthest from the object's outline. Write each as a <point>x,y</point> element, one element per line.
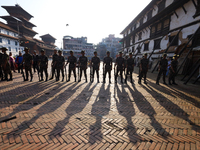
<point>6,66</point>
<point>143,73</point>
<point>83,66</point>
<point>120,67</point>
<point>72,66</point>
<point>27,59</point>
<point>43,61</point>
<point>172,73</point>
<point>54,65</point>
<point>163,69</point>
<point>60,61</point>
<point>108,67</point>
<point>129,69</point>
<point>95,65</point>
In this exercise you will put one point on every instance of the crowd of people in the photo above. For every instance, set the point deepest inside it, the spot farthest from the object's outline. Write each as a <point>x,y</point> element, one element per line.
<point>39,63</point>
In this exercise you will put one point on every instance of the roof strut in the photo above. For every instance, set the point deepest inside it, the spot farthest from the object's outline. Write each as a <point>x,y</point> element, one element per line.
<point>168,47</point>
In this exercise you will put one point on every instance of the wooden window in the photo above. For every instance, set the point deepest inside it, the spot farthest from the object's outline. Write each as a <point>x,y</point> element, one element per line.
<point>146,46</point>
<point>133,48</point>
<point>161,6</point>
<point>141,21</point>
<point>153,30</point>
<point>159,28</point>
<point>157,44</point>
<point>197,9</point>
<point>140,36</point>
<point>175,42</point>
<point>149,15</point>
<point>166,23</point>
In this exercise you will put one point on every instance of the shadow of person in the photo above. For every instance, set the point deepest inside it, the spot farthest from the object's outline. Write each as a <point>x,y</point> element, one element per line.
<point>47,107</point>
<point>144,106</point>
<point>126,109</point>
<point>100,108</point>
<point>170,106</point>
<point>76,104</point>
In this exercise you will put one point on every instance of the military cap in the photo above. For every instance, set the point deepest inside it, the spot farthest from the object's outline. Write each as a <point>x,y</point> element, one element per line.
<point>59,51</point>
<point>120,52</point>
<point>130,53</point>
<point>4,48</point>
<point>145,54</point>
<point>108,52</point>
<point>95,52</point>
<point>71,51</point>
<point>164,54</point>
<point>42,50</point>
<point>26,48</point>
<point>82,51</point>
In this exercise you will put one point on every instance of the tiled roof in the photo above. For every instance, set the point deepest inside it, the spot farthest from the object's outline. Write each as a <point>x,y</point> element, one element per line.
<point>3,25</point>
<point>47,36</point>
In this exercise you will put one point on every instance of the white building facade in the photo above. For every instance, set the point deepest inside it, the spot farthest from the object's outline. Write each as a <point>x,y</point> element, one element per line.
<point>9,39</point>
<point>163,26</point>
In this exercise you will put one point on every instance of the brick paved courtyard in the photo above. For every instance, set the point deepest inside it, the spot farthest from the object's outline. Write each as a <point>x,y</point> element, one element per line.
<point>79,115</point>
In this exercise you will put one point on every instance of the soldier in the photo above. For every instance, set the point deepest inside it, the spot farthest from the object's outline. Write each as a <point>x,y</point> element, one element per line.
<point>120,67</point>
<point>43,63</point>
<point>129,67</point>
<point>95,62</point>
<point>5,64</point>
<point>173,69</point>
<point>72,65</point>
<point>1,72</point>
<point>83,65</point>
<point>162,68</point>
<point>60,62</point>
<point>107,67</point>
<point>28,61</point>
<point>35,61</point>
<point>53,64</point>
<point>144,65</point>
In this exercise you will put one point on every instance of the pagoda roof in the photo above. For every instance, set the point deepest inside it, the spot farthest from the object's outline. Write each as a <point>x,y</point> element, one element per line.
<point>3,25</point>
<point>12,10</point>
<point>47,36</point>
<point>40,41</point>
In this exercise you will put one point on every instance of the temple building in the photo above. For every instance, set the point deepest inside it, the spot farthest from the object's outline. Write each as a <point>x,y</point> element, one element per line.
<point>19,20</point>
<point>166,26</point>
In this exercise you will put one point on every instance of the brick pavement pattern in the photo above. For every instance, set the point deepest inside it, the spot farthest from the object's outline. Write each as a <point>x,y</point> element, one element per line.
<point>78,115</point>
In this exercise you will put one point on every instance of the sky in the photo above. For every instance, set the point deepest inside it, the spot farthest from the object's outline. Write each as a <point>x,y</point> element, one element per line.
<point>94,19</point>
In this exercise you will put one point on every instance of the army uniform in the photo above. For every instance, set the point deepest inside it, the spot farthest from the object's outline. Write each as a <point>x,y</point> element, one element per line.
<point>163,69</point>
<point>72,66</point>
<point>27,59</point>
<point>108,67</point>
<point>43,61</point>
<point>144,63</point>
<point>54,65</point>
<point>95,65</point>
<point>129,69</point>
<point>35,63</point>
<point>172,71</point>
<point>6,66</point>
<point>59,67</point>
<point>83,66</point>
<point>120,67</point>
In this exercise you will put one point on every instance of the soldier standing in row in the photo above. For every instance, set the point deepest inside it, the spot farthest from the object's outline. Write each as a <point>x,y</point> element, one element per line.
<point>129,67</point>
<point>83,65</point>
<point>28,61</point>
<point>173,69</point>
<point>35,61</point>
<point>162,68</point>
<point>6,65</point>
<point>95,62</point>
<point>53,64</point>
<point>120,67</point>
<point>72,65</point>
<point>107,67</point>
<point>144,65</point>
<point>43,63</point>
<point>60,62</point>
